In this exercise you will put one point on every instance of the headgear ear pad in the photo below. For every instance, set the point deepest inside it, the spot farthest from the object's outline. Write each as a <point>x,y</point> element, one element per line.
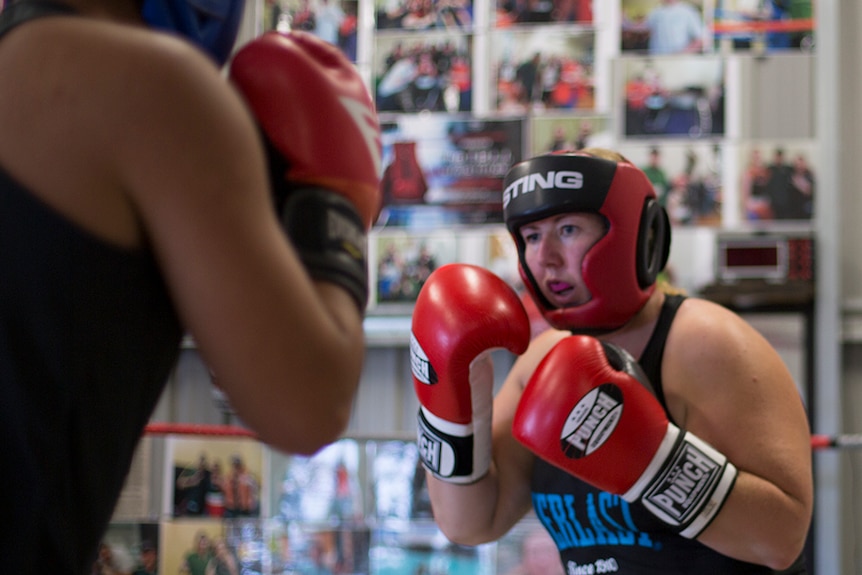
<point>653,242</point>
<point>621,267</point>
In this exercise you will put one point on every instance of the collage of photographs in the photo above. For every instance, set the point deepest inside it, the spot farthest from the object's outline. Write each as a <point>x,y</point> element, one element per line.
<point>440,70</point>
<point>465,89</point>
<point>235,507</point>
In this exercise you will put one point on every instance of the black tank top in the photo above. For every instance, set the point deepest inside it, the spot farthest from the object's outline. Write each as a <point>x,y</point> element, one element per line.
<point>597,532</point>
<point>88,337</point>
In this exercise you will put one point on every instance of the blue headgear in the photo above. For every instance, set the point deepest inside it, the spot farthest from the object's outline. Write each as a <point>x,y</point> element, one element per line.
<point>211,24</point>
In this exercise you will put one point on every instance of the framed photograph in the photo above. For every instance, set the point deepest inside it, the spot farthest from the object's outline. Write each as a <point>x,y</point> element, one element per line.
<point>322,550</point>
<point>756,26</point>
<point>188,546</point>
<point>444,171</point>
<point>423,15</point>
<point>129,548</point>
<point>556,133</point>
<point>398,482</point>
<point>427,73</point>
<point>673,97</point>
<point>332,20</point>
<point>243,548</point>
<point>687,177</point>
<point>405,539</point>
<point>777,181</point>
<point>213,477</point>
<point>322,489</point>
<point>401,262</point>
<point>542,68</point>
<point>519,12</point>
<point>662,27</point>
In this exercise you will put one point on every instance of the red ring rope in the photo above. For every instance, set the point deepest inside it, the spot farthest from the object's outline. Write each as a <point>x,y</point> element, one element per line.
<point>198,429</point>
<point>836,441</point>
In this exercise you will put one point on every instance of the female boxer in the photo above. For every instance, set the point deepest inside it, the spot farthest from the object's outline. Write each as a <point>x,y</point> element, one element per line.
<point>693,459</point>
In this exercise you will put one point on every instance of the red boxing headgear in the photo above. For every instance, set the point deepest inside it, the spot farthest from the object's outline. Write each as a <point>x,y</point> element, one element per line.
<point>621,268</point>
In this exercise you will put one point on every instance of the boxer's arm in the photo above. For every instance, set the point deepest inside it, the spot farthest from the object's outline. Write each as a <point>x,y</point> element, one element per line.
<point>287,352</point>
<point>324,167</point>
<point>486,510</point>
<point>733,390</point>
<point>591,411</point>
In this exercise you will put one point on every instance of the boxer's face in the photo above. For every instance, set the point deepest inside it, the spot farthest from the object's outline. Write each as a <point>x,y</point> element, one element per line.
<point>554,251</point>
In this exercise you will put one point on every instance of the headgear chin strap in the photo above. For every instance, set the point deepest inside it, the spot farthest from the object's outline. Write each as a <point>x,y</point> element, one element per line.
<point>211,24</point>
<point>621,268</point>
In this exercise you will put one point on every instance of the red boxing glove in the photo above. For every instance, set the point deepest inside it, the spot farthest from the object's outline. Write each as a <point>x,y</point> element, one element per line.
<point>589,410</point>
<point>323,142</point>
<point>462,311</point>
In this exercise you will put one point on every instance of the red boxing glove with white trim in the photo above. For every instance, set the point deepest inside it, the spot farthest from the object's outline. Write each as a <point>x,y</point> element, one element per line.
<point>589,410</point>
<point>324,149</point>
<point>461,312</point>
